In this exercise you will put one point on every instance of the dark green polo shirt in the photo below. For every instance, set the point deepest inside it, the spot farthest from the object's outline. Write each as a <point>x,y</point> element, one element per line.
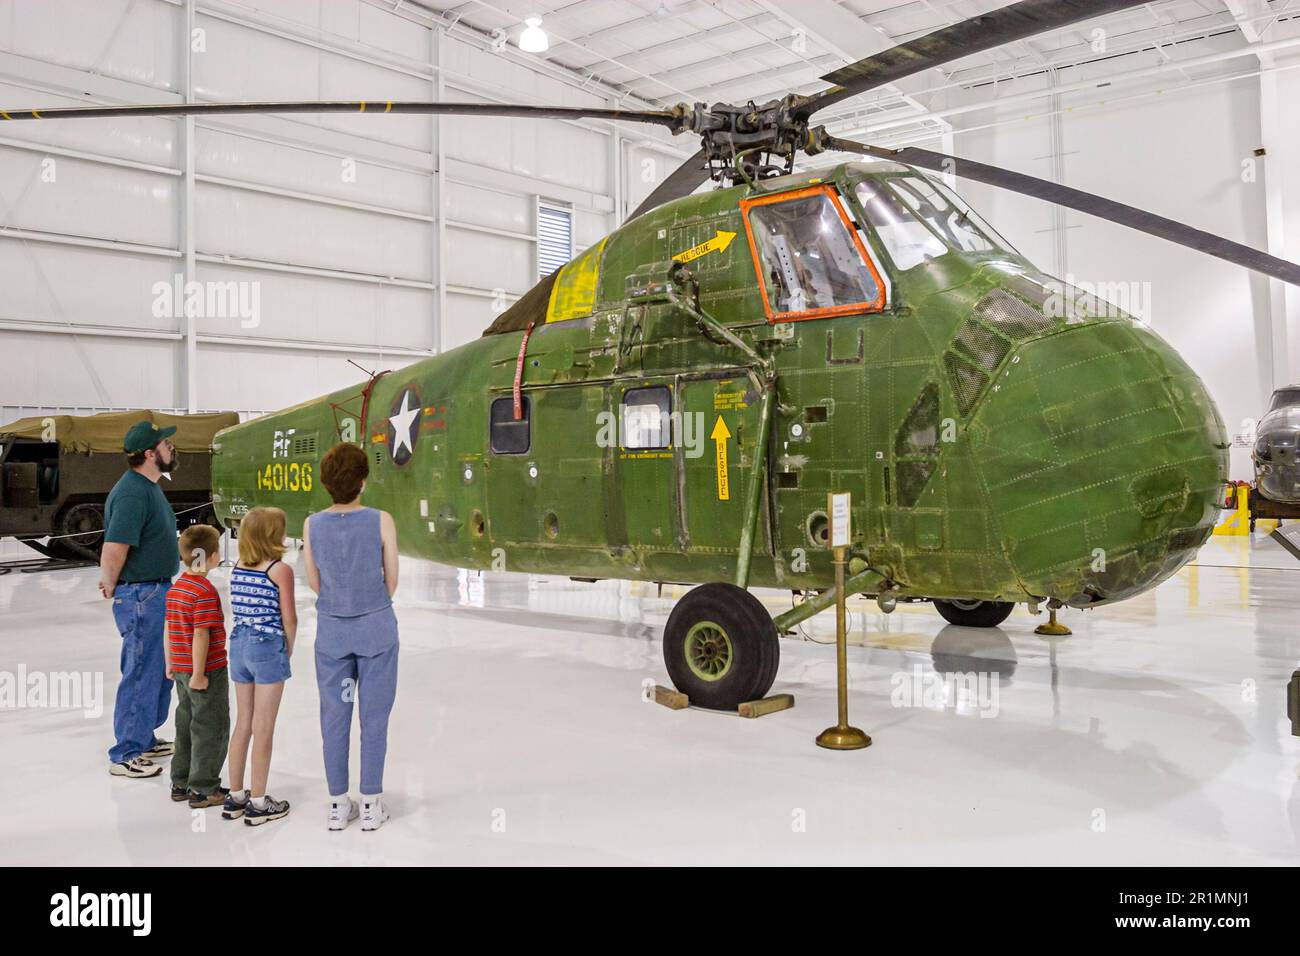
<point>137,513</point>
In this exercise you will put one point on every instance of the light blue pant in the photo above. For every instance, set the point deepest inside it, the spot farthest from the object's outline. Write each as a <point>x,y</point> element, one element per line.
<point>373,682</point>
<point>144,694</point>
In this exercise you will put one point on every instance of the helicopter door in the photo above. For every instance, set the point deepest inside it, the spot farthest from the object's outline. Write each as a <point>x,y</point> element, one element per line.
<point>720,418</point>
<point>544,471</point>
<point>645,448</point>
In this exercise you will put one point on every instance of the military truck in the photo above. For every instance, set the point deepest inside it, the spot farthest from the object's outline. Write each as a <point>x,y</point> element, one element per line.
<point>57,470</point>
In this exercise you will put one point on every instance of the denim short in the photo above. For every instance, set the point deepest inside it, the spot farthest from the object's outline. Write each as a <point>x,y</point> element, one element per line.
<point>256,657</point>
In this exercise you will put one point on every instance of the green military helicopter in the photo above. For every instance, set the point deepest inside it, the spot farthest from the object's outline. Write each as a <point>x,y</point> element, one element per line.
<point>675,403</point>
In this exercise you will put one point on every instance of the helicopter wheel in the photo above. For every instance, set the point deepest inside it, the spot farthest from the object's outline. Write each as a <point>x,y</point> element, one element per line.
<point>974,613</point>
<point>721,647</point>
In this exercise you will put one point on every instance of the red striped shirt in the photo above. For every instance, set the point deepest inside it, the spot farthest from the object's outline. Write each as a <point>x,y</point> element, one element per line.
<point>193,602</point>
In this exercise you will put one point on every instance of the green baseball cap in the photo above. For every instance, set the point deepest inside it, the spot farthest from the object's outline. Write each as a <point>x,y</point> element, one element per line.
<point>142,436</point>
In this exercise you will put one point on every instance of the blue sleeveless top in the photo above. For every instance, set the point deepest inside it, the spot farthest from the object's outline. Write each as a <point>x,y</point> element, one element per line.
<point>349,554</point>
<point>255,600</point>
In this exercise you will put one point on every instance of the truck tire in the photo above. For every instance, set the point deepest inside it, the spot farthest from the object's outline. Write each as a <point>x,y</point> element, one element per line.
<point>80,530</point>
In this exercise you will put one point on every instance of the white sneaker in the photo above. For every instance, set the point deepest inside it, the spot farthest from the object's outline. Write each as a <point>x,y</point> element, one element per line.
<point>373,813</point>
<point>341,814</point>
<point>139,767</point>
<point>162,748</point>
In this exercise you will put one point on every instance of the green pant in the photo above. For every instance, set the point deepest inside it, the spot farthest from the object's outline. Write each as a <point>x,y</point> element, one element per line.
<point>202,732</point>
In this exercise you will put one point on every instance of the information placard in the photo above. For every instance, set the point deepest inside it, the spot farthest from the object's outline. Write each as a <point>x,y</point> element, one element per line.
<point>840,530</point>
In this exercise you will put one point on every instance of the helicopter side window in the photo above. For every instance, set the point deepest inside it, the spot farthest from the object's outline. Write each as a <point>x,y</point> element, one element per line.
<point>507,436</point>
<point>645,420</point>
<point>810,262</point>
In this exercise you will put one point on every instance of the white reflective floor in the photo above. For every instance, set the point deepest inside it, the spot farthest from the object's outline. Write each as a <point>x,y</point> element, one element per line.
<point>1155,734</point>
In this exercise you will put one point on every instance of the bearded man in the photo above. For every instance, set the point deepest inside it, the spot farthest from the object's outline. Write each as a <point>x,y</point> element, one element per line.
<point>139,559</point>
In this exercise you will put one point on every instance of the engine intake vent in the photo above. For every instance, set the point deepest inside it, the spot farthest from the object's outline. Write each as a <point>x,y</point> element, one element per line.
<point>1012,316</point>
<point>968,382</point>
<point>983,348</point>
<point>997,324</point>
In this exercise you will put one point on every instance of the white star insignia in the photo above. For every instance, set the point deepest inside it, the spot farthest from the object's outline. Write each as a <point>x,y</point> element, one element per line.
<point>401,423</point>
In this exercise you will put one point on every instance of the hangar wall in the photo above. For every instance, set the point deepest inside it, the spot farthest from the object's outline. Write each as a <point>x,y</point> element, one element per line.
<point>359,263</point>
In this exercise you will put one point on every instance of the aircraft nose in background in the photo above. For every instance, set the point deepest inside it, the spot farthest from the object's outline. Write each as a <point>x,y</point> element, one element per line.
<point>1103,458</point>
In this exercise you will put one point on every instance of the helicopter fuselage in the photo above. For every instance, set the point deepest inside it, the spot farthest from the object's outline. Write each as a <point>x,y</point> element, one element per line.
<point>1003,437</point>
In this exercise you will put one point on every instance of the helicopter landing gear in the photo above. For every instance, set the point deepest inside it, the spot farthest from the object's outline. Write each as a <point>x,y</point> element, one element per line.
<point>721,647</point>
<point>974,613</point>
<point>1053,627</point>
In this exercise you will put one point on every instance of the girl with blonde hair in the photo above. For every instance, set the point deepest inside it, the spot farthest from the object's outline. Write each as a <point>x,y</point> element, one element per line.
<point>261,643</point>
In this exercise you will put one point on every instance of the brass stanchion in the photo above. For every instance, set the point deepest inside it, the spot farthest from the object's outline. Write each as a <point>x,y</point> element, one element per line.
<point>841,736</point>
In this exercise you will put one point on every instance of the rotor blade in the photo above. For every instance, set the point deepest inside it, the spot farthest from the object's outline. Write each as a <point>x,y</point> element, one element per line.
<point>660,117</point>
<point>1108,209</point>
<point>1006,25</point>
<point>682,181</point>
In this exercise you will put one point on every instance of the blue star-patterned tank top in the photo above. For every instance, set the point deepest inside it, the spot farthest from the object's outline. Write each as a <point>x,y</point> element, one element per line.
<point>255,600</point>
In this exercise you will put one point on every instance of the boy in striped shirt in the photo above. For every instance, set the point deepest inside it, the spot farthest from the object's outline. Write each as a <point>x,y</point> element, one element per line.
<point>196,658</point>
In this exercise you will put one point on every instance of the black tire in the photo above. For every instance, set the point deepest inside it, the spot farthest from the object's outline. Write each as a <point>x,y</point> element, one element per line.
<point>204,515</point>
<point>62,551</point>
<point>85,520</point>
<point>730,635</point>
<point>974,614</point>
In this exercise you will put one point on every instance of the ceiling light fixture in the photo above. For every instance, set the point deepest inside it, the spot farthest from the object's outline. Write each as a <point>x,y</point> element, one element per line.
<point>533,39</point>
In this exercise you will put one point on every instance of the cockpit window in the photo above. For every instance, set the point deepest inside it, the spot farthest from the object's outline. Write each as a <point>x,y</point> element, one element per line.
<point>919,220</point>
<point>908,242</point>
<point>953,225</point>
<point>1284,397</point>
<point>810,261</point>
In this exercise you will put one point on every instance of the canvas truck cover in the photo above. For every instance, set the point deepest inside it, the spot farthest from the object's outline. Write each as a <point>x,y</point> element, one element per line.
<point>104,432</point>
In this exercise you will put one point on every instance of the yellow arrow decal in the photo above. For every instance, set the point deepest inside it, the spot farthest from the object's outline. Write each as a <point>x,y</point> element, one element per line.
<point>720,436</point>
<point>718,243</point>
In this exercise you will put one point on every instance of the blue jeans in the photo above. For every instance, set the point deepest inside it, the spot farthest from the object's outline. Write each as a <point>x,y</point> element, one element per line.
<point>144,694</point>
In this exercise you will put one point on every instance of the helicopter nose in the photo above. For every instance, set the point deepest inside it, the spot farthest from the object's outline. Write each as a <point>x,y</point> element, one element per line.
<point>1277,455</point>
<point>1104,459</point>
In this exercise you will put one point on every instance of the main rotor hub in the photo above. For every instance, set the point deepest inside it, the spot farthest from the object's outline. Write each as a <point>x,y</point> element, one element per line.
<point>747,141</point>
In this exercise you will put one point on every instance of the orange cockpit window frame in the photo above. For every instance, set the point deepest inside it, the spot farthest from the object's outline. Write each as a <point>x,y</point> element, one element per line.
<point>854,307</point>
